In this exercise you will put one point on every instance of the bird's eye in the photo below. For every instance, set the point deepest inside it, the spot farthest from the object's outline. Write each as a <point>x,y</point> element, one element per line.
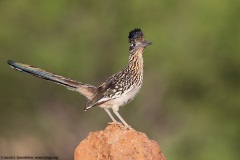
<point>132,46</point>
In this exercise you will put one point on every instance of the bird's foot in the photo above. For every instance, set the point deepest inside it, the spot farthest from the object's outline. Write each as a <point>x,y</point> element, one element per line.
<point>122,126</point>
<point>128,127</point>
<point>115,123</point>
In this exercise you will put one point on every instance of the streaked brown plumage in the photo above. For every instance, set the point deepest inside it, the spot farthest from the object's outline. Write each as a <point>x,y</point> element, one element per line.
<point>116,91</point>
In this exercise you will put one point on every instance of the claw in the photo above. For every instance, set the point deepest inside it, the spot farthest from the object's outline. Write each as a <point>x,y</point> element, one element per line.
<point>123,127</point>
<point>115,123</point>
<point>126,127</point>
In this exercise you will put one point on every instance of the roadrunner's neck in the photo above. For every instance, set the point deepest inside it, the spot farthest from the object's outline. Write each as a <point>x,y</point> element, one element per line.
<point>135,65</point>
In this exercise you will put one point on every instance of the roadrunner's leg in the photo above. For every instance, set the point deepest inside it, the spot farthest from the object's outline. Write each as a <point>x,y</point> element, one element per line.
<point>109,113</point>
<point>120,118</point>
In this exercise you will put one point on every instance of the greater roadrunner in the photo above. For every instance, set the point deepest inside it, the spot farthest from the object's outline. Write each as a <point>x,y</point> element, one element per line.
<point>116,91</point>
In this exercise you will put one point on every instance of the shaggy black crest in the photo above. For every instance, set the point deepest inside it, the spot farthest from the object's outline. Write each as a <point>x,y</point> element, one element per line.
<point>135,34</point>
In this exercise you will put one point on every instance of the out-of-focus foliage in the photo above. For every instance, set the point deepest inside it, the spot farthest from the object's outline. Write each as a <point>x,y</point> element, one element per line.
<point>190,100</point>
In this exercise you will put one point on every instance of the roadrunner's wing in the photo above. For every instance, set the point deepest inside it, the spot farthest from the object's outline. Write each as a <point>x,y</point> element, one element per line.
<point>85,89</point>
<point>105,92</point>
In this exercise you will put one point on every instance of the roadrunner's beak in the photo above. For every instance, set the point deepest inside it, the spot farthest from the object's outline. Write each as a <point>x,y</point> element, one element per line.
<point>145,44</point>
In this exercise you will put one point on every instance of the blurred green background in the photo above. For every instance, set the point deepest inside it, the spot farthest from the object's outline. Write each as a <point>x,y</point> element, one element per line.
<point>190,100</point>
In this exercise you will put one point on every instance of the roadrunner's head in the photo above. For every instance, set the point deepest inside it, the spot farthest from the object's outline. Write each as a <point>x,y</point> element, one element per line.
<point>137,40</point>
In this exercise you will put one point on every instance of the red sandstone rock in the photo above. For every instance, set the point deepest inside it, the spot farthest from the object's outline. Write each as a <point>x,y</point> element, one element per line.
<point>114,143</point>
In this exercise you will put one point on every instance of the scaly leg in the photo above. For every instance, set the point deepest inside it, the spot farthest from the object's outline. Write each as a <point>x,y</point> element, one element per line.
<point>121,119</point>
<point>109,113</point>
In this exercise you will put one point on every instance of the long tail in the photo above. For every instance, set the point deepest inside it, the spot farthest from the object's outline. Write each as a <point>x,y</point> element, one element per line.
<point>85,89</point>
